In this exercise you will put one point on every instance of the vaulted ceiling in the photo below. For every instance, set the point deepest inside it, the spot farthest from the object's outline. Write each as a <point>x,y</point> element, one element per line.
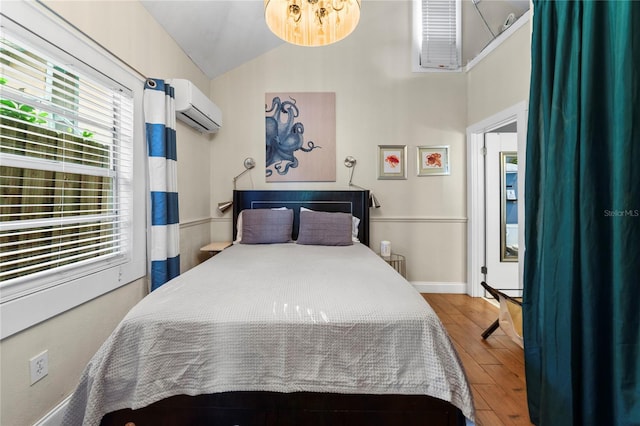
<point>219,35</point>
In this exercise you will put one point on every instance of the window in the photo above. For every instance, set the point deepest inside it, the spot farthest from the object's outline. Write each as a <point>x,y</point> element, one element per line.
<point>69,144</point>
<point>437,35</point>
<point>66,162</point>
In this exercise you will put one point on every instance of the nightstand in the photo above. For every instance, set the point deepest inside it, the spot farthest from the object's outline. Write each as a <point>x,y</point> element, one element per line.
<point>397,262</point>
<point>216,247</point>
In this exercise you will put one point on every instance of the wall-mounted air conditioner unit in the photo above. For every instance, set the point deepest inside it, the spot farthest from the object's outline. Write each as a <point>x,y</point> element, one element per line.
<point>195,108</point>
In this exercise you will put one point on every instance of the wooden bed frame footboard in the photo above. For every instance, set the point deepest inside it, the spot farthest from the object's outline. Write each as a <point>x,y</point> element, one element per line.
<point>291,409</point>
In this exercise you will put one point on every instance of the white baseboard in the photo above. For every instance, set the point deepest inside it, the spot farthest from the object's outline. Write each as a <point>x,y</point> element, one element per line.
<point>54,417</point>
<point>434,287</point>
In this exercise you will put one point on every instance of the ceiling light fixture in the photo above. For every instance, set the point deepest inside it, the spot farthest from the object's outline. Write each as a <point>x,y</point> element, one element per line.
<point>312,22</point>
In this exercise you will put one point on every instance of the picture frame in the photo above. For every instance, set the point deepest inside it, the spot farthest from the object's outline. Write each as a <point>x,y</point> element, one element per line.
<point>433,160</point>
<point>392,162</point>
<point>300,137</point>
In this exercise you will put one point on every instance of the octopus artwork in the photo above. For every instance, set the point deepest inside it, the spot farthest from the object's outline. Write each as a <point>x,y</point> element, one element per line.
<point>392,160</point>
<point>433,160</point>
<point>284,136</point>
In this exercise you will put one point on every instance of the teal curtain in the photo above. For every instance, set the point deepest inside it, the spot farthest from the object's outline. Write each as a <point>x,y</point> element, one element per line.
<point>582,233</point>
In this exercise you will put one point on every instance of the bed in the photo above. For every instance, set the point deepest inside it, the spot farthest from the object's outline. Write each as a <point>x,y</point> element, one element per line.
<point>295,332</point>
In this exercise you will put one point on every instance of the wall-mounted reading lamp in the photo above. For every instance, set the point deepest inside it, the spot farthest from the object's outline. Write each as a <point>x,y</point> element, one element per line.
<point>350,162</point>
<point>249,163</point>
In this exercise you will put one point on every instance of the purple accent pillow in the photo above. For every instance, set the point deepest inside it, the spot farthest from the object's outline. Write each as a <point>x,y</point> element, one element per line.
<point>325,229</point>
<point>266,226</point>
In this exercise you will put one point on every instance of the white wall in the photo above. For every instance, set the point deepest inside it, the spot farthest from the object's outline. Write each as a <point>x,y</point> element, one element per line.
<point>501,80</point>
<point>129,32</point>
<point>71,339</point>
<point>379,101</point>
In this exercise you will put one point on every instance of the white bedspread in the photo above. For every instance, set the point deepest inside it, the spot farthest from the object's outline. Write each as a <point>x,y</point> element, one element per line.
<point>280,317</point>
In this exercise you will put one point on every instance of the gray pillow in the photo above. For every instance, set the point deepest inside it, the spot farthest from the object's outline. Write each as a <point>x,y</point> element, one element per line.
<point>325,229</point>
<point>266,226</point>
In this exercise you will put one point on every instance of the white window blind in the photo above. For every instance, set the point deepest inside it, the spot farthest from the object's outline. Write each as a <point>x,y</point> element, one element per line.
<point>440,34</point>
<point>65,168</point>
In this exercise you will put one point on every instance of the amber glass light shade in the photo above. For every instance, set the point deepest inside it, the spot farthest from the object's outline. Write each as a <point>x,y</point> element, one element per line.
<point>312,22</point>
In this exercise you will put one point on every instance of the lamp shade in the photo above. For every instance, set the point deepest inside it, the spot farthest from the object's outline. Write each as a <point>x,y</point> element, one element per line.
<point>312,22</point>
<point>223,207</point>
<point>373,201</point>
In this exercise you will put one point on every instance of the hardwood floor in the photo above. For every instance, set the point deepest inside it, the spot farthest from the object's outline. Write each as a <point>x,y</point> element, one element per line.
<point>494,367</point>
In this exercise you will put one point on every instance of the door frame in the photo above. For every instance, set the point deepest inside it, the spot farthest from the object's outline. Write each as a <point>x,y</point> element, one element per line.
<point>476,195</point>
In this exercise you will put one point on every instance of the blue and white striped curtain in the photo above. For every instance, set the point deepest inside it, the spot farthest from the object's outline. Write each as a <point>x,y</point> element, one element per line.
<point>160,121</point>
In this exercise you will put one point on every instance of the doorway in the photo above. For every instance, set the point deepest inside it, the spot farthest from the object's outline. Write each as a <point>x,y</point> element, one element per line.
<point>501,214</point>
<point>495,201</point>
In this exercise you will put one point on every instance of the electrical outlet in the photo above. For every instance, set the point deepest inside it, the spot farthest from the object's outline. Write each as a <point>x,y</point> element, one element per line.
<point>39,366</point>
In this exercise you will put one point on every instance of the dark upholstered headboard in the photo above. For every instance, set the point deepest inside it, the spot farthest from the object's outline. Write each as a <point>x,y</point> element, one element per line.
<point>354,202</point>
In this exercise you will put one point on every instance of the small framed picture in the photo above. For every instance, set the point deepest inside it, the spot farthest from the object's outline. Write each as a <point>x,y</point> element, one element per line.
<point>392,161</point>
<point>433,160</point>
